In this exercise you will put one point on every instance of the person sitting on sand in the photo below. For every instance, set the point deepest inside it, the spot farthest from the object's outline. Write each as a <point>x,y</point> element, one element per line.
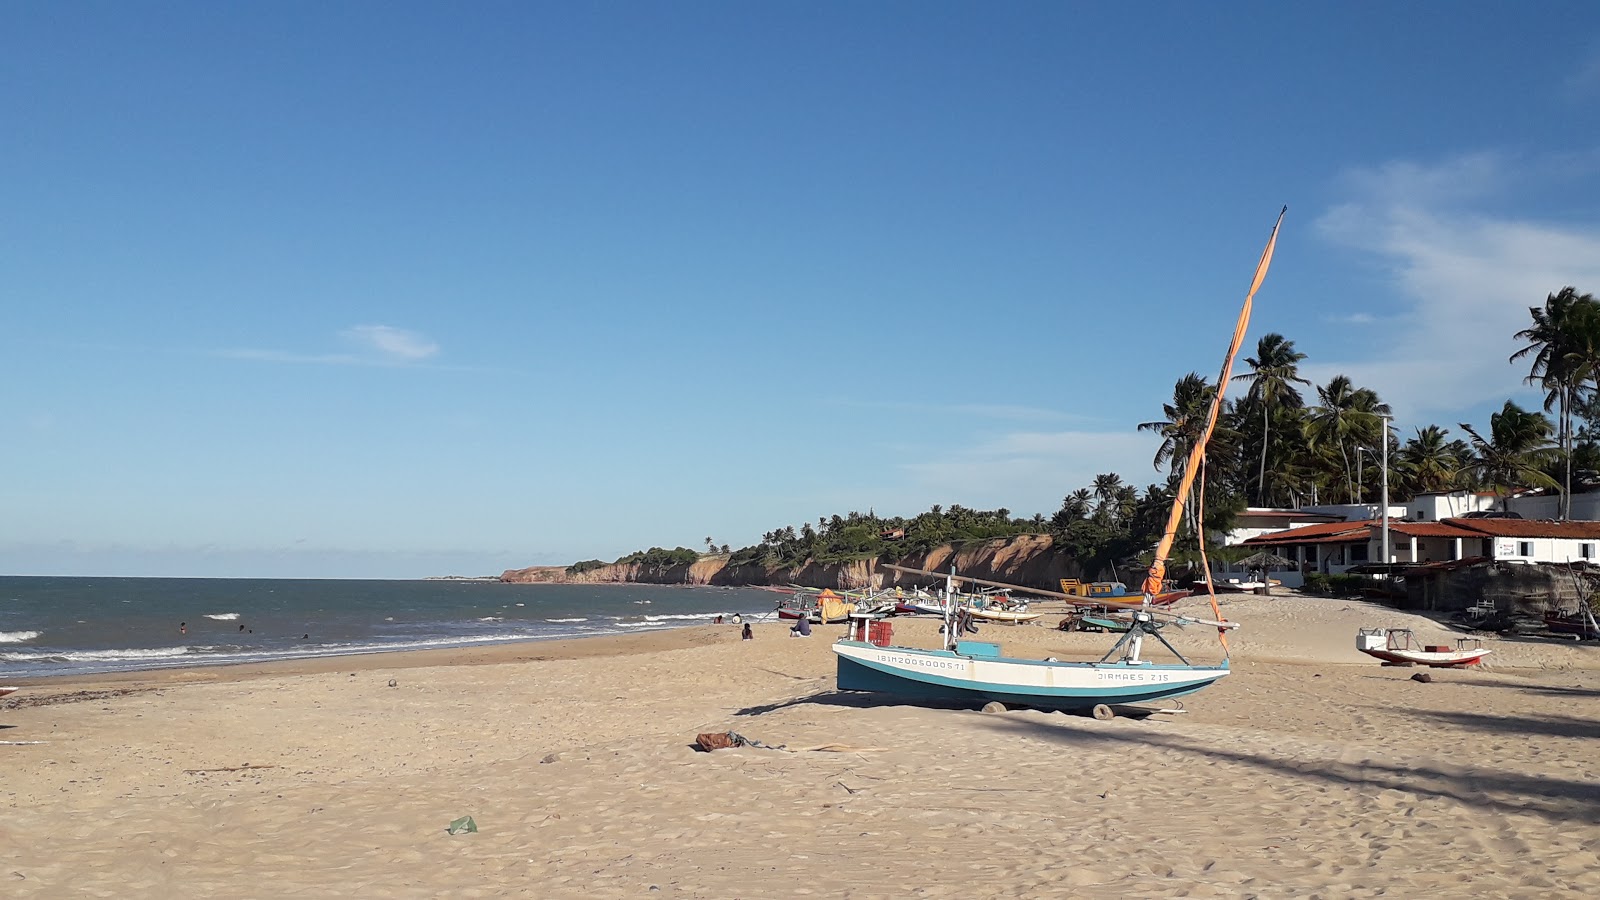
<point>802,628</point>
<point>746,634</point>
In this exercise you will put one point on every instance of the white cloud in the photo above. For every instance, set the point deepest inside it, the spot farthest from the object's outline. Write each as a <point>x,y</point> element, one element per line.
<point>1001,411</point>
<point>377,345</point>
<point>1359,318</point>
<point>1464,279</point>
<point>1584,82</point>
<point>1034,470</point>
<point>394,343</point>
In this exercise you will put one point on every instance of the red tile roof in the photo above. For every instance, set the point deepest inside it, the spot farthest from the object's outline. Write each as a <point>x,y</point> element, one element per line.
<point>1292,535</point>
<point>1531,528</point>
<point>1351,532</point>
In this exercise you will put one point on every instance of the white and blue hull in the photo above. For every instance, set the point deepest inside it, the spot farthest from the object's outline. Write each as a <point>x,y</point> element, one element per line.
<point>979,674</point>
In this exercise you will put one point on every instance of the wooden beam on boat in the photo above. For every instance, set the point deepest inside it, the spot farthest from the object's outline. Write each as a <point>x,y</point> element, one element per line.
<point>1071,598</point>
<point>1074,599</point>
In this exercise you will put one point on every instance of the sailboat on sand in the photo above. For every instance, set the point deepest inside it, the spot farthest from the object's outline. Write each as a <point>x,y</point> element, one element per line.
<point>964,670</point>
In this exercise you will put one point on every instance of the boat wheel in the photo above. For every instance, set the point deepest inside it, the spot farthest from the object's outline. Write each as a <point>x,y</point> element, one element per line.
<point>1103,712</point>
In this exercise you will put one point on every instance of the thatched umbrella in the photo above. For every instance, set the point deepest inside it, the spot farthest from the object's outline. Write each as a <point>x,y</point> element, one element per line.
<point>1265,560</point>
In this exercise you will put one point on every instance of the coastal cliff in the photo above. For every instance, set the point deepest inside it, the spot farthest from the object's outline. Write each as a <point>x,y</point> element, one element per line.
<point>1028,559</point>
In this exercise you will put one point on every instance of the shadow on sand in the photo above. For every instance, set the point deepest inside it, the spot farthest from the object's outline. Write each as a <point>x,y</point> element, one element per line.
<point>1556,800</point>
<point>849,700</point>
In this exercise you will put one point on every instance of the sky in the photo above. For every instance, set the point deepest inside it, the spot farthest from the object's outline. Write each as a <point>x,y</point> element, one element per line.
<point>407,289</point>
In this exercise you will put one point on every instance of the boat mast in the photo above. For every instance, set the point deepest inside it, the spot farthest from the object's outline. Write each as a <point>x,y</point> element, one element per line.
<point>1197,453</point>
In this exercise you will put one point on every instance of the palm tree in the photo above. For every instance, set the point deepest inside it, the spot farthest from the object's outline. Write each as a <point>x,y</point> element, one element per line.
<point>1185,422</point>
<point>1515,453</point>
<point>1427,462</point>
<point>1108,491</point>
<point>1564,340</point>
<point>1274,372</point>
<point>1346,415</point>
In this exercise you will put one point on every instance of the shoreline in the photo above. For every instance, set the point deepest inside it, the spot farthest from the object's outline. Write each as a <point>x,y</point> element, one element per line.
<point>337,777</point>
<point>487,654</point>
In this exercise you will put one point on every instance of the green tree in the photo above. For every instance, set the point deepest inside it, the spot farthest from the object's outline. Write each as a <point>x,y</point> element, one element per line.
<point>1274,372</point>
<point>1428,462</point>
<point>1515,453</point>
<point>1346,418</point>
<point>1564,341</point>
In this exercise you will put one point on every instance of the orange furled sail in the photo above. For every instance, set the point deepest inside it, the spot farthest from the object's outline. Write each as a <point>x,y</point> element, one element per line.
<point>1158,567</point>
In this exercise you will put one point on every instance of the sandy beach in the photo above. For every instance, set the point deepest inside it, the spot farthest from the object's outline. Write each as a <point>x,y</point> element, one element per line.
<point>1312,771</point>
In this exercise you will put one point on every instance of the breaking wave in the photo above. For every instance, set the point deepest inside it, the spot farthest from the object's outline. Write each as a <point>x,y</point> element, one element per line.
<point>96,655</point>
<point>17,637</point>
<point>222,617</point>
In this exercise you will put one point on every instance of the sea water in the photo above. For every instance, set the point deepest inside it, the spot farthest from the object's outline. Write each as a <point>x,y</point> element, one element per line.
<point>77,626</point>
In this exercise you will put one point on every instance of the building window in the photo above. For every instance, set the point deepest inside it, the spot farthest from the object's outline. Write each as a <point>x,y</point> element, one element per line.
<point>1358,553</point>
<point>1586,551</point>
<point>1422,515</point>
<point>1524,548</point>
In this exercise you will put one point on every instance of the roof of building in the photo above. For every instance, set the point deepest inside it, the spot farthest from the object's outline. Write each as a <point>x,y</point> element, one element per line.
<point>1533,528</point>
<point>1287,514</point>
<point>1354,532</point>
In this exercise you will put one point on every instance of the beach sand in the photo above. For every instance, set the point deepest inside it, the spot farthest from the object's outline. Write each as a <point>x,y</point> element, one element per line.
<point>1312,771</point>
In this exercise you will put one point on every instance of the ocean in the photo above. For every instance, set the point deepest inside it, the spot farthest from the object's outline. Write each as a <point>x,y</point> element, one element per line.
<point>79,626</point>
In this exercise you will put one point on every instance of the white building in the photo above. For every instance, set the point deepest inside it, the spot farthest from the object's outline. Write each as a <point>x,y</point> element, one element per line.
<point>1335,547</point>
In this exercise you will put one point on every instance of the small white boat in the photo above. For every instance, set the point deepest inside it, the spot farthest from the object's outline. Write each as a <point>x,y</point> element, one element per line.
<point>1399,647</point>
<point>8,690</point>
<point>1002,615</point>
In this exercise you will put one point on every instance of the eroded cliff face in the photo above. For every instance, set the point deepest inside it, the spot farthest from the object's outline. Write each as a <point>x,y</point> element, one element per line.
<point>1031,560</point>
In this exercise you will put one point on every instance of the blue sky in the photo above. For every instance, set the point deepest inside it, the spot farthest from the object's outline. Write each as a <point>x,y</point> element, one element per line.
<point>398,289</point>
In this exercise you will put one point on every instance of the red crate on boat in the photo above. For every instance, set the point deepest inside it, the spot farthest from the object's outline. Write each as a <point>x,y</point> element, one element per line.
<point>1438,648</point>
<point>880,633</point>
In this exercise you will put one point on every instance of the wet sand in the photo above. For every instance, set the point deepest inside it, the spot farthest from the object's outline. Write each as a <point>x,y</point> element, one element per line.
<point>1311,771</point>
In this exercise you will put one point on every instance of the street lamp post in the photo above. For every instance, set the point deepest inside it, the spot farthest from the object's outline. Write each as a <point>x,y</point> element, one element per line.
<point>1361,474</point>
<point>1385,499</point>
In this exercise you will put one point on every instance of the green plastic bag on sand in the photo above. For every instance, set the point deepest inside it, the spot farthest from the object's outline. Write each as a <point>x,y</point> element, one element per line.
<point>463,824</point>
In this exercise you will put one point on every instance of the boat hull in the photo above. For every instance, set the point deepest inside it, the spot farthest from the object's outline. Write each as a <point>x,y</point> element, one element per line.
<point>1041,684</point>
<point>1570,625</point>
<point>1003,615</point>
<point>1451,659</point>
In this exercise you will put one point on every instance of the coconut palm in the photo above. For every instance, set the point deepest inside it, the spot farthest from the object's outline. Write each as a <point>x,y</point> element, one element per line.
<point>1108,491</point>
<point>1564,341</point>
<point>1347,417</point>
<point>1274,372</point>
<point>1515,453</point>
<point>1185,422</point>
<point>1427,462</point>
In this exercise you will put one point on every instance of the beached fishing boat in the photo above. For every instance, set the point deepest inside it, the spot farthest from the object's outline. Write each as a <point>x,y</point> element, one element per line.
<point>1399,647</point>
<point>8,690</point>
<point>1095,620</point>
<point>1581,623</point>
<point>976,671</point>
<point>823,608</point>
<point>997,614</point>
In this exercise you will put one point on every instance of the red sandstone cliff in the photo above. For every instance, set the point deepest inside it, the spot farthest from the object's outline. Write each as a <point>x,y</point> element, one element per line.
<point>1029,559</point>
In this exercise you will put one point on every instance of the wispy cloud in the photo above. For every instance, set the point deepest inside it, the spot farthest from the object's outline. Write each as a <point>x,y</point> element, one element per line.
<point>1584,82</point>
<point>375,345</point>
<point>393,343</point>
<point>1358,318</point>
<point>1464,277</point>
<point>1024,470</point>
<point>997,411</point>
